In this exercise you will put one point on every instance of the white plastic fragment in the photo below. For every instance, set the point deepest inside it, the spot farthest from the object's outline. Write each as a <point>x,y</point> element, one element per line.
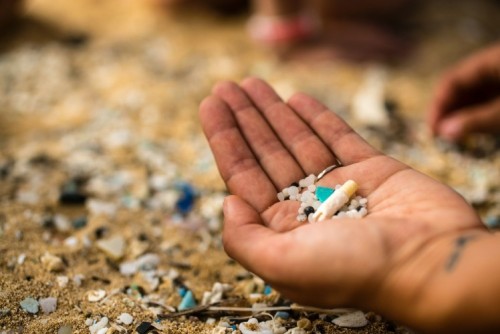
<point>355,319</point>
<point>96,327</point>
<point>114,247</point>
<point>52,262</point>
<point>95,295</point>
<point>125,318</point>
<point>62,281</point>
<point>333,203</point>
<point>48,305</point>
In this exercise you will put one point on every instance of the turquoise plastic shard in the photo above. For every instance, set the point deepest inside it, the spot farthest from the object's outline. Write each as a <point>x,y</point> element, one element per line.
<point>187,302</point>
<point>322,193</point>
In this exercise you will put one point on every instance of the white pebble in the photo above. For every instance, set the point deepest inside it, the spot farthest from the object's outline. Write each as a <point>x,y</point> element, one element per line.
<point>312,188</point>
<point>281,197</point>
<point>301,218</point>
<point>363,201</point>
<point>125,318</point>
<point>102,330</point>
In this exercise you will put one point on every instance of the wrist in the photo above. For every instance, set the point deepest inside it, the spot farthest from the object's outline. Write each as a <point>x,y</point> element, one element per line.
<point>430,289</point>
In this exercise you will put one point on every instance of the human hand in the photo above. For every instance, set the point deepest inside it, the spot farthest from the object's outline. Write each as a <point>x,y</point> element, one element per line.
<point>468,97</point>
<point>382,262</point>
<point>9,9</point>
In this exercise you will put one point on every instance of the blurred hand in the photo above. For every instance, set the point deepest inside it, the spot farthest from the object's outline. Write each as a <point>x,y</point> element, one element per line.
<point>381,262</point>
<point>468,97</point>
<point>9,9</point>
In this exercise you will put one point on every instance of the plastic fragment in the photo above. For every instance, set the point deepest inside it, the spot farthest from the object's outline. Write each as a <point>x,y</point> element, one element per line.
<point>144,327</point>
<point>322,193</point>
<point>48,305</point>
<point>30,305</point>
<point>335,201</point>
<point>187,302</point>
<point>185,202</point>
<point>351,320</point>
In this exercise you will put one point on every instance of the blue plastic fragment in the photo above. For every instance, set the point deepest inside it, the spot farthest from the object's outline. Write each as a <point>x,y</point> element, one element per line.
<point>187,301</point>
<point>493,221</point>
<point>267,290</point>
<point>234,327</point>
<point>322,193</point>
<point>187,197</point>
<point>182,291</point>
<point>283,314</point>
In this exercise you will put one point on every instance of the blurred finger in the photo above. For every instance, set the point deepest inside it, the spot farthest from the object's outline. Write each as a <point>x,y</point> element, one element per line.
<point>345,143</point>
<point>274,158</point>
<point>311,153</point>
<point>236,163</point>
<point>482,118</point>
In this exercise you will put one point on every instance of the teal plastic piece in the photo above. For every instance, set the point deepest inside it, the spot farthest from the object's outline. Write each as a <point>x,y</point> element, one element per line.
<point>322,193</point>
<point>187,302</point>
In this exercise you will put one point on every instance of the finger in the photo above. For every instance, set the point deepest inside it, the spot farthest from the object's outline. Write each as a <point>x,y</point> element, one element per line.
<point>237,165</point>
<point>345,143</point>
<point>274,158</point>
<point>464,84</point>
<point>305,146</point>
<point>482,118</point>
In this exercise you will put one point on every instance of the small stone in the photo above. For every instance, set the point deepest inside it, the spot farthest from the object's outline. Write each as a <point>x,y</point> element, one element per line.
<point>65,330</point>
<point>89,322</point>
<point>52,262</point>
<point>103,330</point>
<point>48,305</point>
<point>114,247</point>
<point>187,302</point>
<point>144,327</point>
<point>125,318</point>
<point>355,319</point>
<point>96,295</point>
<point>322,193</point>
<point>30,305</point>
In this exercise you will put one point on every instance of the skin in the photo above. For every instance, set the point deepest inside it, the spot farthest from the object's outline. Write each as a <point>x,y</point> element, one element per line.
<point>415,258</point>
<point>468,97</point>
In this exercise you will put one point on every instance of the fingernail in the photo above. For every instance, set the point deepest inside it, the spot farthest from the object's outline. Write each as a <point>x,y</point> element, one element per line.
<point>451,130</point>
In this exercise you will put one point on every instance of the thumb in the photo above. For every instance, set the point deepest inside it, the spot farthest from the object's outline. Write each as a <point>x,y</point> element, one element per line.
<point>481,118</point>
<point>245,237</point>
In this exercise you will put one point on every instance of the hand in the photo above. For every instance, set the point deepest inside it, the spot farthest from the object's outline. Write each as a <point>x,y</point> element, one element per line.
<point>468,97</point>
<point>381,262</point>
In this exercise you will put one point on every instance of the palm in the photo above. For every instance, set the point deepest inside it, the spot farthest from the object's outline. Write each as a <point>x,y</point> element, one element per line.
<point>261,145</point>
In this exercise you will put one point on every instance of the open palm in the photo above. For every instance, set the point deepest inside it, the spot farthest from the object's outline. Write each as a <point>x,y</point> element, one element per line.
<point>262,144</point>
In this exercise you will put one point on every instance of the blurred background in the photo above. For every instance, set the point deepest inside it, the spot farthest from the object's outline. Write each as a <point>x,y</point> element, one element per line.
<point>99,103</point>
